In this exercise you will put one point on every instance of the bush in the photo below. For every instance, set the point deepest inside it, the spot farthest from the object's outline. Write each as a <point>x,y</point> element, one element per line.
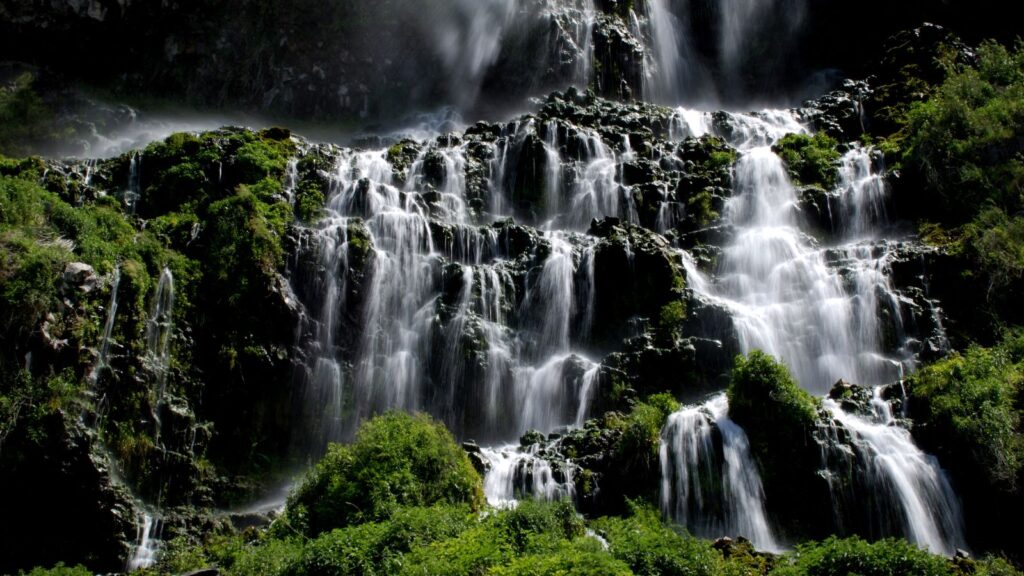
<point>835,557</point>
<point>964,142</point>
<point>59,569</point>
<point>397,460</point>
<point>966,407</point>
<point>762,393</point>
<point>582,557</point>
<point>810,160</point>
<point>648,546</point>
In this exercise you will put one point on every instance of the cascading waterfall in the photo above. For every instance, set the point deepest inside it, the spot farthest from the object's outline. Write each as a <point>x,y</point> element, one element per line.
<point>786,295</point>
<point>817,310</point>
<point>159,328</point>
<point>149,530</point>
<point>516,474</point>
<point>873,465</point>
<point>103,358</point>
<point>709,480</point>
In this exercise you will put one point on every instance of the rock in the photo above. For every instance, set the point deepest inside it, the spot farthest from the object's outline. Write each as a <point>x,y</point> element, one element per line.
<point>80,277</point>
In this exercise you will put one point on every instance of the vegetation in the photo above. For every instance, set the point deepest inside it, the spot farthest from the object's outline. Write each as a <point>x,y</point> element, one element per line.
<point>965,141</point>
<point>25,119</point>
<point>968,408</point>
<point>810,160</point>
<point>397,460</point>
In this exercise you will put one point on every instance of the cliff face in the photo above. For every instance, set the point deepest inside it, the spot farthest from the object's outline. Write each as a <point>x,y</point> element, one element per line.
<point>379,60</point>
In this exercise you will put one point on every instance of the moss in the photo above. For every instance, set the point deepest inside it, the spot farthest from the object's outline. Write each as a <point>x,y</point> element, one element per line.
<point>810,160</point>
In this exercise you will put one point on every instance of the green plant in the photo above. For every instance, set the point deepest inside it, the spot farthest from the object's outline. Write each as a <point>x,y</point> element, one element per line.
<point>649,546</point>
<point>835,557</point>
<point>811,160</point>
<point>397,460</point>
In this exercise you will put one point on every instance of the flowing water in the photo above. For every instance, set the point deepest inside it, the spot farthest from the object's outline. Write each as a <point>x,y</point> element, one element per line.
<point>146,548</point>
<point>875,469</point>
<point>815,308</point>
<point>159,328</point>
<point>516,473</point>
<point>709,480</point>
<point>103,358</point>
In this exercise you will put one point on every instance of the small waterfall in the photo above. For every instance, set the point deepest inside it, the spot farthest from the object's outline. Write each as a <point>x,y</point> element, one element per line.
<point>516,473</point>
<point>149,530</point>
<point>709,480</point>
<point>134,190</point>
<point>159,328</point>
<point>874,468</point>
<point>597,192</point>
<point>862,193</point>
<point>102,360</point>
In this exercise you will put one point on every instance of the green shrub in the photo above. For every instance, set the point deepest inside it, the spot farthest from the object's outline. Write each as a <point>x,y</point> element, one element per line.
<point>25,119</point>
<point>59,569</point>
<point>810,160</point>
<point>648,546</point>
<point>582,557</point>
<point>965,141</point>
<point>396,460</point>
<point>835,557</point>
<point>762,392</point>
<point>966,407</point>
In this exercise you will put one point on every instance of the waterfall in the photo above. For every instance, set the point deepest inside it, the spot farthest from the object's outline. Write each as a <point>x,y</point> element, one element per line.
<point>788,296</point>
<point>876,468</point>
<point>516,473</point>
<point>134,191</point>
<point>709,480</point>
<point>159,328</point>
<point>149,530</point>
<point>102,360</point>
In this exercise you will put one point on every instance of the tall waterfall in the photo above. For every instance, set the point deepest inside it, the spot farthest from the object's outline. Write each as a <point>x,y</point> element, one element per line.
<point>902,490</point>
<point>103,358</point>
<point>159,328</point>
<point>709,480</point>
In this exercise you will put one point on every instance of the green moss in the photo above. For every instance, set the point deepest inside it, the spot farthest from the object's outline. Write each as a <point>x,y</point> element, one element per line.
<point>397,460</point>
<point>810,160</point>
<point>762,390</point>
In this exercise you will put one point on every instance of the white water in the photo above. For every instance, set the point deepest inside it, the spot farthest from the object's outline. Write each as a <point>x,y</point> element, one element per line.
<point>147,542</point>
<point>815,310</point>
<point>103,359</point>
<point>159,328</point>
<point>516,474</point>
<point>910,494</point>
<point>709,480</point>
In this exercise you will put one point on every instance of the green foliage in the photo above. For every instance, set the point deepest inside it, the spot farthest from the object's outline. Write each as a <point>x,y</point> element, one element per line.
<point>645,543</point>
<point>582,557</point>
<point>671,317</point>
<point>835,557</point>
<point>25,119</point>
<point>397,460</point>
<point>967,407</point>
<point>59,569</point>
<point>811,160</point>
<point>965,140</point>
<point>996,243</point>
<point>641,431</point>
<point>762,392</point>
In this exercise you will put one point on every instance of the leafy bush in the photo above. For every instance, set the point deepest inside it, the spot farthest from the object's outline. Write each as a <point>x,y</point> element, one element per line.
<point>965,140</point>
<point>966,407</point>
<point>59,569</point>
<point>810,160</point>
<point>582,557</point>
<point>25,119</point>
<point>648,546</point>
<point>835,557</point>
<point>763,393</point>
<point>397,460</point>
